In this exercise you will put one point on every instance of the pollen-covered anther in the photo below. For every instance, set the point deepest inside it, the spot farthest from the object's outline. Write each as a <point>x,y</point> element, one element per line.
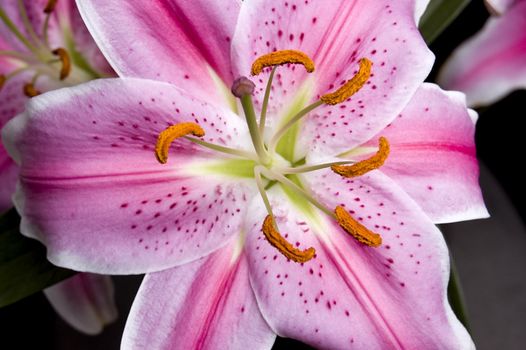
<point>168,135</point>
<point>352,86</point>
<point>30,90</point>
<point>278,58</point>
<point>65,60</point>
<point>50,6</point>
<point>355,229</point>
<point>277,241</point>
<point>363,167</point>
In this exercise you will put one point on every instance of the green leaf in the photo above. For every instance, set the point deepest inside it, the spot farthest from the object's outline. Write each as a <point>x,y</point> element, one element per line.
<point>24,269</point>
<point>456,297</point>
<point>439,14</point>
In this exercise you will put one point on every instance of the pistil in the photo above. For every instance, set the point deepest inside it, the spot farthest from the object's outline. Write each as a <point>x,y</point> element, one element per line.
<point>243,88</point>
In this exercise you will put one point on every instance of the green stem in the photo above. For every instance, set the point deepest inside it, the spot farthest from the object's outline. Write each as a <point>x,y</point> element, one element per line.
<point>277,136</point>
<point>259,182</point>
<point>16,54</point>
<point>222,149</point>
<point>15,31</point>
<point>456,297</point>
<point>285,181</point>
<point>250,116</point>
<point>45,29</point>
<point>263,116</point>
<point>306,169</point>
<point>27,23</point>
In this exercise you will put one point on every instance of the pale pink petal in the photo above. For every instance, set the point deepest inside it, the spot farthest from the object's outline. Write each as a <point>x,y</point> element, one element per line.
<point>8,176</point>
<point>499,7</point>
<point>206,304</point>
<point>93,192</point>
<point>169,40</point>
<point>85,301</point>
<point>336,36</point>
<point>420,8</point>
<point>12,102</point>
<point>351,296</point>
<point>433,155</point>
<point>492,63</point>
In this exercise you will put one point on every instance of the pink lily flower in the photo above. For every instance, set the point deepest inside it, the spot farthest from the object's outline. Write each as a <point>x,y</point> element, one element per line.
<point>315,221</point>
<point>44,45</point>
<point>492,63</point>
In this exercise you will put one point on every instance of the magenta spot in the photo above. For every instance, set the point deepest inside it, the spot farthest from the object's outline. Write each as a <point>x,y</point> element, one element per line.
<point>124,205</point>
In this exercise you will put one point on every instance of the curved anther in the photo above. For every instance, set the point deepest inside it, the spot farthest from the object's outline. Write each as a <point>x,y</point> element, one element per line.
<point>168,135</point>
<point>65,60</point>
<point>278,58</point>
<point>284,247</point>
<point>3,79</point>
<point>50,6</point>
<point>355,229</point>
<point>30,90</point>
<point>352,86</point>
<point>363,167</point>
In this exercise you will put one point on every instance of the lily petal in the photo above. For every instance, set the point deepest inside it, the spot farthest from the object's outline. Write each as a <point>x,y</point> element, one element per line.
<point>95,194</point>
<point>491,64</point>
<point>85,301</point>
<point>12,102</point>
<point>420,8</point>
<point>351,295</point>
<point>168,40</point>
<point>433,155</point>
<point>206,304</point>
<point>336,36</point>
<point>500,6</point>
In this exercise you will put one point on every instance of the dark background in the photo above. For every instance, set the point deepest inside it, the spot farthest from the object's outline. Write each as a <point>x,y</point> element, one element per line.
<point>488,253</point>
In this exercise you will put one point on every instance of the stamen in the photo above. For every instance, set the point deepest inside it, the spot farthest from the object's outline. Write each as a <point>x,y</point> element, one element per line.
<point>27,23</point>
<point>66,62</point>
<point>2,81</point>
<point>355,229</point>
<point>277,241</point>
<point>50,6</point>
<point>309,168</point>
<point>290,184</point>
<point>278,58</point>
<point>352,86</point>
<point>168,135</point>
<point>363,167</point>
<point>30,90</point>
<point>243,88</point>
<point>264,106</point>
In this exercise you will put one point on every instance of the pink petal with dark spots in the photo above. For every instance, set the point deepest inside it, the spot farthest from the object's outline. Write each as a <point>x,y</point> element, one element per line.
<point>351,295</point>
<point>93,192</point>
<point>336,36</point>
<point>206,304</point>
<point>433,155</point>
<point>168,40</point>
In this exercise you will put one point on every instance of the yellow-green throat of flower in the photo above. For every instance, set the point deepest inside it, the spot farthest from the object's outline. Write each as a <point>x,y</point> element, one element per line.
<point>269,165</point>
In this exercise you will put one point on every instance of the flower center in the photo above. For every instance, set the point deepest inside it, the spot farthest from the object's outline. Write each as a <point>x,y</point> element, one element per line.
<point>269,166</point>
<point>37,56</point>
